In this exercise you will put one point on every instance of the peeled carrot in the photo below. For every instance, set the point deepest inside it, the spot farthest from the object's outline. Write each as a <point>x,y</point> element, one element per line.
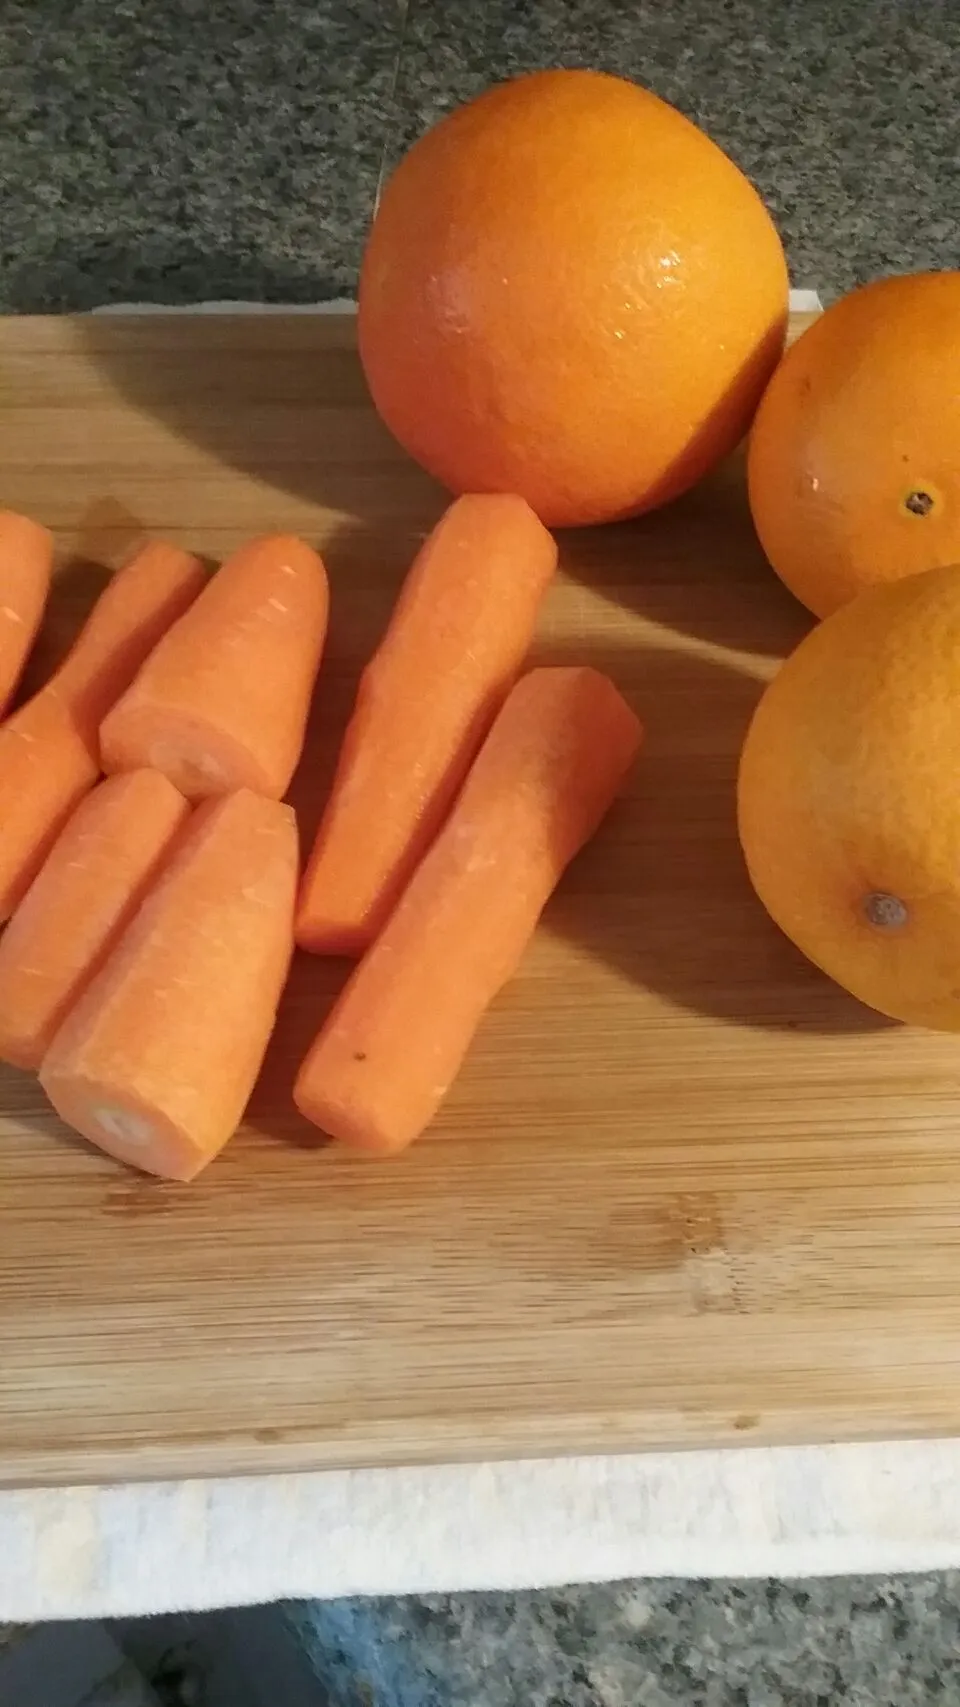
<point>394,1042</point>
<point>156,1062</point>
<point>49,750</point>
<point>457,638</point>
<point>74,911</point>
<point>222,704</point>
<point>26,562</point>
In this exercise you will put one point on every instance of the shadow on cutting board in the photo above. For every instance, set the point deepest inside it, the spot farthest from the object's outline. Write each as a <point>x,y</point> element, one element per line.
<point>109,534</point>
<point>314,983</point>
<point>297,417</point>
<point>662,894</point>
<point>696,567</point>
<point>276,396</point>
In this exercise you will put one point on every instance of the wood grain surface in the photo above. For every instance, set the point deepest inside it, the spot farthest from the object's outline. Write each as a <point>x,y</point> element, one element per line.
<point>686,1191</point>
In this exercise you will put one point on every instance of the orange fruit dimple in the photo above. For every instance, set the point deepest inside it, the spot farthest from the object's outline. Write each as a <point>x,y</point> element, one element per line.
<point>571,293</point>
<point>848,801</point>
<point>854,460</point>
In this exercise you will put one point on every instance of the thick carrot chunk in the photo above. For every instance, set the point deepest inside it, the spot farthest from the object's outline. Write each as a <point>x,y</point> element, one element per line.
<point>74,911</point>
<point>457,638</point>
<point>49,748</point>
<point>394,1042</point>
<point>222,703</point>
<point>157,1060</point>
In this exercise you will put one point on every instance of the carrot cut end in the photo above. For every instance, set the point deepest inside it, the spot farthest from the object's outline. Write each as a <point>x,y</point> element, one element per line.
<point>336,1120</point>
<point>201,761</point>
<point>129,1131</point>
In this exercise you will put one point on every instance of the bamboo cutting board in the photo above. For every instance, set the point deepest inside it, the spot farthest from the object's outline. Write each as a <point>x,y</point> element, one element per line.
<point>686,1191</point>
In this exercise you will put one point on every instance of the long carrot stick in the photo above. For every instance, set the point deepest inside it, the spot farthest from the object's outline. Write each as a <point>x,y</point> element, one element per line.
<point>74,911</point>
<point>156,1062</point>
<point>26,561</point>
<point>222,703</point>
<point>457,638</point>
<point>550,767</point>
<point>49,748</point>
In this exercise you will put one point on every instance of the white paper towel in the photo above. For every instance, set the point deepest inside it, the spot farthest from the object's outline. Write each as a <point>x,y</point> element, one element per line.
<point>811,1511</point>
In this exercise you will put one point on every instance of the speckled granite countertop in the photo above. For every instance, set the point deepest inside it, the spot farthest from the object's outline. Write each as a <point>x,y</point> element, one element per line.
<point>844,1642</point>
<point>171,150</point>
<point>177,150</point>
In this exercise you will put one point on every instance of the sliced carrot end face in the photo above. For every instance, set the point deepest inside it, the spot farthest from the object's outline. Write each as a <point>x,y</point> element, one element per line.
<point>130,1131</point>
<point>222,702</point>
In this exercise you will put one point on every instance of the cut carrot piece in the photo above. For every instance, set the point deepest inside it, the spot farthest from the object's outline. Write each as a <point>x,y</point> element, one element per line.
<point>75,909</point>
<point>49,749</point>
<point>26,562</point>
<point>223,702</point>
<point>459,634</point>
<point>394,1042</point>
<point>157,1060</point>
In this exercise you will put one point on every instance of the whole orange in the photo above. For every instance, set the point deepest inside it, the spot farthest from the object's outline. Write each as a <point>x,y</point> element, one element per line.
<point>571,293</point>
<point>854,460</point>
<point>848,799</point>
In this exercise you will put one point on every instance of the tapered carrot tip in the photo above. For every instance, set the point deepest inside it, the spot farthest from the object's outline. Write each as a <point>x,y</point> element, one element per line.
<point>26,563</point>
<point>456,640</point>
<point>86,893</point>
<point>49,754</point>
<point>552,764</point>
<point>222,703</point>
<point>157,1061</point>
